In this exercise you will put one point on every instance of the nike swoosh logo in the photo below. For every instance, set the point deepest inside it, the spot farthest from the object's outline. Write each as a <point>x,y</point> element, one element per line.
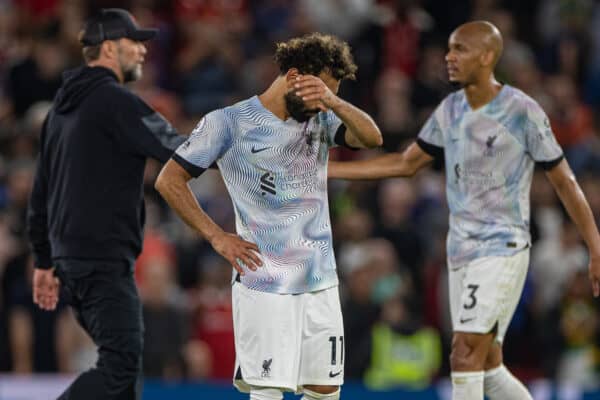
<point>254,150</point>
<point>462,321</point>
<point>332,375</point>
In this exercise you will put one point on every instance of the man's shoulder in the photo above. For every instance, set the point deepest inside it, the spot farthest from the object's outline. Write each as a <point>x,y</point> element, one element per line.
<point>120,98</point>
<point>450,102</point>
<point>453,97</point>
<point>245,107</point>
<point>520,97</point>
<point>239,114</point>
<point>117,91</point>
<point>450,109</point>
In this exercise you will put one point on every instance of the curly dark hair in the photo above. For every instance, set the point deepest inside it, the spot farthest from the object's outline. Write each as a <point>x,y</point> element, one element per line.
<point>315,53</point>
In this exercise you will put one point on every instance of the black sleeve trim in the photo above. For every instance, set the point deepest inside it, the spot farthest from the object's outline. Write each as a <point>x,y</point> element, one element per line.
<point>192,169</point>
<point>548,165</point>
<point>431,149</point>
<point>340,138</point>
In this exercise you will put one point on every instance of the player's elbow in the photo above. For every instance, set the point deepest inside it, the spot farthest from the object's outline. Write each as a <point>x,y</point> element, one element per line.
<point>374,140</point>
<point>402,168</point>
<point>411,170</point>
<point>163,182</point>
<point>160,183</point>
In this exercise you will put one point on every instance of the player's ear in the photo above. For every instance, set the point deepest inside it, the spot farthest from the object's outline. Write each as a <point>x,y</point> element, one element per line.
<point>108,49</point>
<point>487,58</point>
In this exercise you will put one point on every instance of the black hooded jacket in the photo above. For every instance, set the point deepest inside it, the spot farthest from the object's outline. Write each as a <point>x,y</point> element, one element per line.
<point>87,199</point>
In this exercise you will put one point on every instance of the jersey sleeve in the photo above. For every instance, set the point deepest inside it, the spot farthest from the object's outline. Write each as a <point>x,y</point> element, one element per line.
<point>143,130</point>
<point>207,143</point>
<point>539,138</point>
<point>431,138</point>
<point>336,130</point>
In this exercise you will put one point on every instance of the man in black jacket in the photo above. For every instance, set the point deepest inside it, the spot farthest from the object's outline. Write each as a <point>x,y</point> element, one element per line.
<point>86,210</point>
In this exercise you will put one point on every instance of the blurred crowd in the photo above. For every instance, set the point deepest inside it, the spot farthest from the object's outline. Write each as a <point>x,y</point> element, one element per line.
<point>389,235</point>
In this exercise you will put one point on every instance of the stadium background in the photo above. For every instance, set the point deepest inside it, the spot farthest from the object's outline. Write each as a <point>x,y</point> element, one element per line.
<point>389,235</point>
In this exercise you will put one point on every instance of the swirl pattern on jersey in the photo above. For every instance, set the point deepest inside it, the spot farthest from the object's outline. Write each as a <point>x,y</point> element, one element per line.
<point>276,174</point>
<point>490,154</point>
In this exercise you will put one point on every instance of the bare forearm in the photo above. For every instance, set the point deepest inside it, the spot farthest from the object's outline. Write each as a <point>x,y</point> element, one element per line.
<point>390,165</point>
<point>386,166</point>
<point>359,123</point>
<point>181,199</point>
<point>579,210</point>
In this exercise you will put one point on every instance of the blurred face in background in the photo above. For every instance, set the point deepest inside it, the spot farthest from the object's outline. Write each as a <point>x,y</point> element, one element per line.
<point>464,58</point>
<point>20,183</point>
<point>130,58</point>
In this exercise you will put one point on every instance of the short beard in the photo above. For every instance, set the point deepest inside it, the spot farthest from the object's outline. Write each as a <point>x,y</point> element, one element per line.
<point>132,74</point>
<point>297,109</point>
<point>455,85</point>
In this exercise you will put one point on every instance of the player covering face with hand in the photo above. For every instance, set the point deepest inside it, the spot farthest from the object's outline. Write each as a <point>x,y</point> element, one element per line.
<point>490,136</point>
<point>272,152</point>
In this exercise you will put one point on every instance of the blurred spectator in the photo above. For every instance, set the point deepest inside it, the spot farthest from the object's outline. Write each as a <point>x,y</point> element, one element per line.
<point>402,35</point>
<point>366,269</point>
<point>394,109</point>
<point>546,216</point>
<point>572,123</point>
<point>396,204</point>
<point>554,260</point>
<point>360,313</point>
<point>18,188</point>
<point>591,187</point>
<point>9,249</point>
<point>343,18</point>
<point>38,76</point>
<point>206,64</point>
<point>273,20</point>
<point>431,82</point>
<point>404,352</point>
<point>562,25</point>
<point>164,322</point>
<point>32,332</point>
<point>515,52</point>
<point>76,352</point>
<point>213,318</point>
<point>571,347</point>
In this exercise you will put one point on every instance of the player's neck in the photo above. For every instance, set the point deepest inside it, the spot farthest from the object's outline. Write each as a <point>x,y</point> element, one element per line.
<point>103,62</point>
<point>481,93</point>
<point>272,99</point>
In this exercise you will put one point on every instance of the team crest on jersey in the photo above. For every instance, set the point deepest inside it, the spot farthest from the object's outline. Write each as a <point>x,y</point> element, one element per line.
<point>489,145</point>
<point>266,366</point>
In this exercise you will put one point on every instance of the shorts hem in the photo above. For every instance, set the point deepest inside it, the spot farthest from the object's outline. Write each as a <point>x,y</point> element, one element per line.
<point>498,338</point>
<point>322,382</point>
<point>482,331</point>
<point>244,385</point>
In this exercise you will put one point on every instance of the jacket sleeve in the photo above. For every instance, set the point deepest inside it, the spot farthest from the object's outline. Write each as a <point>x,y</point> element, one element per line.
<point>37,214</point>
<point>144,131</point>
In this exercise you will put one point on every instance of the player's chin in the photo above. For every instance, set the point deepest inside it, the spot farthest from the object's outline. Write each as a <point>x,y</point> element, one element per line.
<point>456,81</point>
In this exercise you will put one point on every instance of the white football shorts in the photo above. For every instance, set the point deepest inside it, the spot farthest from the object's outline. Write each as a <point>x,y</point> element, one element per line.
<point>485,292</point>
<point>287,340</point>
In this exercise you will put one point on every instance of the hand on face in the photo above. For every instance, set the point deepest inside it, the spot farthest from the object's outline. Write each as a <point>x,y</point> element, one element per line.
<point>45,289</point>
<point>314,92</point>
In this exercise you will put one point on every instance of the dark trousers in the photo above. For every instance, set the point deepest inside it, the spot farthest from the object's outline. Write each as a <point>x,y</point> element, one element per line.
<point>104,298</point>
